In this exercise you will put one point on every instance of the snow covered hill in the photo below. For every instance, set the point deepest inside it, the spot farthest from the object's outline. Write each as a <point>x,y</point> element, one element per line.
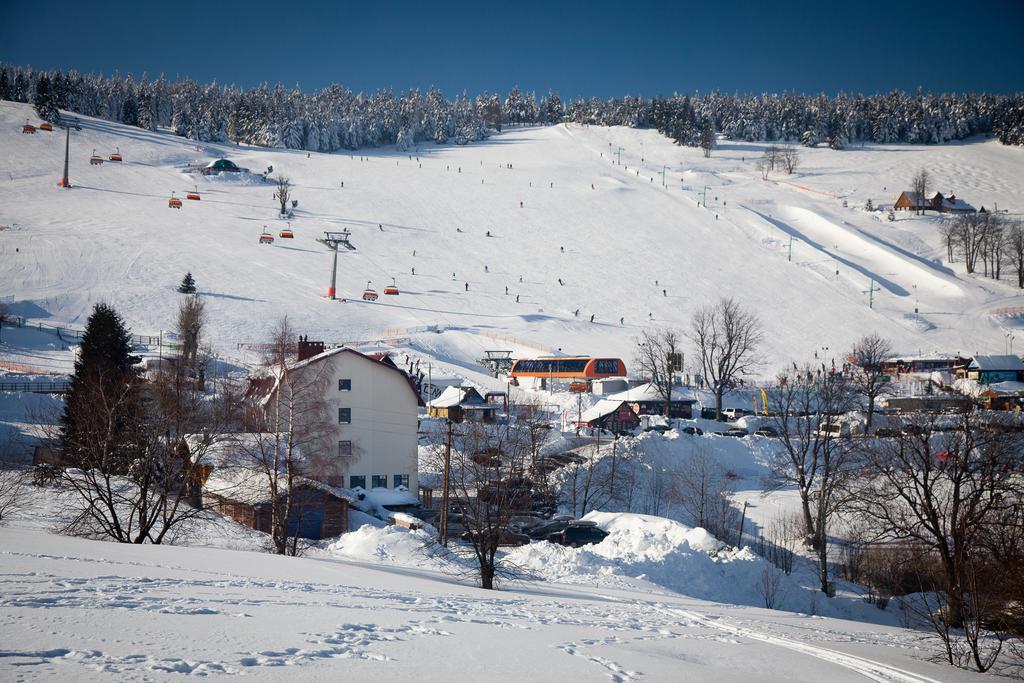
<point>556,207</point>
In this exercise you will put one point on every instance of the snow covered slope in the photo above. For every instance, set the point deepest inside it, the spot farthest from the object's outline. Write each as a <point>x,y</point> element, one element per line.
<point>536,191</point>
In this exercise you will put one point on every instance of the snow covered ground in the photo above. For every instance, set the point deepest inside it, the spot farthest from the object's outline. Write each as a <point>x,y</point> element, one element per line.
<point>657,600</point>
<point>607,231</point>
<point>84,610</point>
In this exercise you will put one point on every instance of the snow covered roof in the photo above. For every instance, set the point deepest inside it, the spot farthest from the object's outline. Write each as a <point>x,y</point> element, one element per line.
<point>1006,388</point>
<point>649,392</point>
<point>238,449</point>
<point>996,363</point>
<point>252,486</point>
<point>261,388</point>
<point>454,396</point>
<point>956,204</point>
<point>600,409</point>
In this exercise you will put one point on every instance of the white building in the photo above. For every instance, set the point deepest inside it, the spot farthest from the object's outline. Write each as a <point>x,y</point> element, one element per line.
<point>356,417</point>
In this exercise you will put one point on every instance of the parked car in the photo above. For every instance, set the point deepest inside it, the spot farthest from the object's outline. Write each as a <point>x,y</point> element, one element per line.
<point>692,431</point>
<point>541,532</point>
<point>581,533</point>
<point>767,431</point>
<point>661,429</point>
<point>508,537</point>
<point>735,431</point>
<point>732,414</point>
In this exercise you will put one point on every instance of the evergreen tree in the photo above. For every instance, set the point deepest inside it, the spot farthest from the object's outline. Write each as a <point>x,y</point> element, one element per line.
<point>707,137</point>
<point>188,285</point>
<point>102,410</point>
<point>43,101</point>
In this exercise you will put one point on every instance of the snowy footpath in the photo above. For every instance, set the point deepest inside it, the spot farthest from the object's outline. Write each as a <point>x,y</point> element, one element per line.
<point>72,609</point>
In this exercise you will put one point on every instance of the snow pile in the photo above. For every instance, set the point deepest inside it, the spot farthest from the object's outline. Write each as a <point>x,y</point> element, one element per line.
<point>394,545</point>
<point>685,560</point>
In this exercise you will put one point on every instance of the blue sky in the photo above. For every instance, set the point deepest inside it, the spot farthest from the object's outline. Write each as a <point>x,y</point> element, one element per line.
<point>593,48</point>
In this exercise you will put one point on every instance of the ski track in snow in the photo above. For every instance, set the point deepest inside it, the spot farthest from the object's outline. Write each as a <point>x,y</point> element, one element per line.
<point>876,671</point>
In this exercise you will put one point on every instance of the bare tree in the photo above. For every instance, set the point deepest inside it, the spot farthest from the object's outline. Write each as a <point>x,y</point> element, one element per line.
<point>590,478</point>
<point>947,483</point>
<point>950,238</point>
<point>764,167</point>
<point>970,230</point>
<point>5,318</point>
<point>1015,249</point>
<point>805,407</point>
<point>659,356</point>
<point>487,466</point>
<point>190,322</point>
<point>789,159</point>
<point>726,336</point>
<point>288,440</point>
<point>703,489</point>
<point>919,186</point>
<point>12,488</point>
<point>132,482</point>
<point>768,586</point>
<point>867,356</point>
<point>283,193</point>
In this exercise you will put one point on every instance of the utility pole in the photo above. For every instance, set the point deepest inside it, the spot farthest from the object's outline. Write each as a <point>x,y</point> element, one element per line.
<point>579,412</point>
<point>444,489</point>
<point>870,291</point>
<point>743,518</point>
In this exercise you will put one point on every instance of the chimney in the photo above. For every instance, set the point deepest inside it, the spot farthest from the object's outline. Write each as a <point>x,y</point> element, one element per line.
<point>308,349</point>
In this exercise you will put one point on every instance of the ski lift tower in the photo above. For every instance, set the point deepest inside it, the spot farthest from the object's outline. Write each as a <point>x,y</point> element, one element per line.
<point>333,240</point>
<point>66,125</point>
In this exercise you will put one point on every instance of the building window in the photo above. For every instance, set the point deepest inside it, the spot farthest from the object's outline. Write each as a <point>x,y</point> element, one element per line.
<point>401,480</point>
<point>344,385</point>
<point>344,448</point>
<point>344,416</point>
<point>380,481</point>
<point>357,482</point>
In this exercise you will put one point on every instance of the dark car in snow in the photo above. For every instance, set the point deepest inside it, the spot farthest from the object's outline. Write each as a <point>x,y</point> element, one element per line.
<point>692,431</point>
<point>578,533</point>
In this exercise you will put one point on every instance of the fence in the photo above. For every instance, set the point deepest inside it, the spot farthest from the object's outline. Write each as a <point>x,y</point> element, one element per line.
<point>36,387</point>
<point>72,334</point>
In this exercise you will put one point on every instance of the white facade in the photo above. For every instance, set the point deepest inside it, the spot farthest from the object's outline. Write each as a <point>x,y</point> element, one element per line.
<point>370,418</point>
